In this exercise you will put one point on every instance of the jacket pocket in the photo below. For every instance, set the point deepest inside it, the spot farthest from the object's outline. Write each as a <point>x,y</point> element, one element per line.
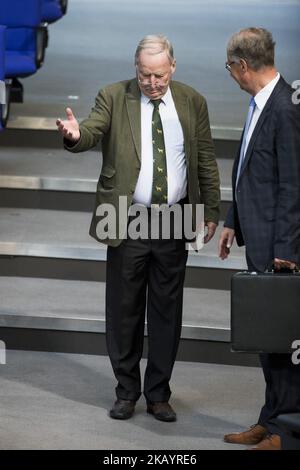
<point>107,171</point>
<point>106,180</point>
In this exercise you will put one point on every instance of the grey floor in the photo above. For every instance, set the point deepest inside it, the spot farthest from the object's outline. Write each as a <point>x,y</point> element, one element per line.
<point>60,401</point>
<point>95,43</point>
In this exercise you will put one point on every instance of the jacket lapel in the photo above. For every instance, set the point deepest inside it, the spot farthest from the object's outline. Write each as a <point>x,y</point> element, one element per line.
<point>133,105</point>
<point>265,113</point>
<point>182,108</point>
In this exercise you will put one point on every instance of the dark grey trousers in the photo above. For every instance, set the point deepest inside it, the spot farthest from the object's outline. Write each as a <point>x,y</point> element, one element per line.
<point>144,274</point>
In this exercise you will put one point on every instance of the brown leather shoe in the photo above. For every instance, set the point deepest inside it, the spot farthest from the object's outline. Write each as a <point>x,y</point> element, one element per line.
<point>271,442</point>
<point>161,411</point>
<point>252,436</point>
<point>122,409</point>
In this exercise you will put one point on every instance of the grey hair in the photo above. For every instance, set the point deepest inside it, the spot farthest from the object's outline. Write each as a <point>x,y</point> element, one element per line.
<point>155,44</point>
<point>255,45</point>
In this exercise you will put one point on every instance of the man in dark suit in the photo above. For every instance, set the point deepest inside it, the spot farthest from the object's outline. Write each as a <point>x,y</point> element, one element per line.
<point>157,149</point>
<point>265,213</point>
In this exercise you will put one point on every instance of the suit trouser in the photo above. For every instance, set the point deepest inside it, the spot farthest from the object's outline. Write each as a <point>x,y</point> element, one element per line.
<point>282,389</point>
<point>282,377</point>
<point>139,273</point>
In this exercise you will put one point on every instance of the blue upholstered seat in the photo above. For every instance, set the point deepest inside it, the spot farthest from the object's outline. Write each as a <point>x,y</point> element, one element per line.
<point>51,10</point>
<point>23,44</point>
<point>2,51</point>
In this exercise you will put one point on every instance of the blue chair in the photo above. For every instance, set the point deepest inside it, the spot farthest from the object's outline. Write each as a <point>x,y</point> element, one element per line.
<point>4,85</point>
<point>53,10</point>
<point>25,36</point>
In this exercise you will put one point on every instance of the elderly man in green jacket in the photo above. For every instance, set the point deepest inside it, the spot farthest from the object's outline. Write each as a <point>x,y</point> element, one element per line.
<point>157,152</point>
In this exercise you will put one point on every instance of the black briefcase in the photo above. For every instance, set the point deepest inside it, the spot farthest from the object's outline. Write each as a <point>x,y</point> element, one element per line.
<point>265,311</point>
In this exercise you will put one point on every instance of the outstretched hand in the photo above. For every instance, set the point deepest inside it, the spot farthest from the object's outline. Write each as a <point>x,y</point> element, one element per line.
<point>69,128</point>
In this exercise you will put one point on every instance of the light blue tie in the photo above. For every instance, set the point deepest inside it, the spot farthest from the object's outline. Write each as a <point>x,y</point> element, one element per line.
<point>252,105</point>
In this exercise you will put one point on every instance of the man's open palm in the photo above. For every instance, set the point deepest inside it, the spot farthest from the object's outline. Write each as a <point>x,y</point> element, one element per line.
<point>70,127</point>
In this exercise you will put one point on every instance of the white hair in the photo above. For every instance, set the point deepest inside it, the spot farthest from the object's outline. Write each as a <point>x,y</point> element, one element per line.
<point>155,44</point>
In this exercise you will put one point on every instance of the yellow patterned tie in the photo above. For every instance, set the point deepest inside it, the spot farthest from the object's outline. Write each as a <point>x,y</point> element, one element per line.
<point>160,177</point>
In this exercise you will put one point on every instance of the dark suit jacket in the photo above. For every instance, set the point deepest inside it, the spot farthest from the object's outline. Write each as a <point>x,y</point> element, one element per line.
<point>266,214</point>
<point>116,121</point>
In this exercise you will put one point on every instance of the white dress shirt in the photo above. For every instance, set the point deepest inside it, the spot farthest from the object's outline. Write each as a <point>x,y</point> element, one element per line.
<point>260,99</point>
<point>175,155</point>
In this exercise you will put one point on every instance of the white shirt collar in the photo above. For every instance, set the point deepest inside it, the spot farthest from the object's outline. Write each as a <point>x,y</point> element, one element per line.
<point>166,99</point>
<point>264,94</point>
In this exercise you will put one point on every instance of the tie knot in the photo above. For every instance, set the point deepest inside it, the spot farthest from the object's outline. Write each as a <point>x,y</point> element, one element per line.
<point>156,103</point>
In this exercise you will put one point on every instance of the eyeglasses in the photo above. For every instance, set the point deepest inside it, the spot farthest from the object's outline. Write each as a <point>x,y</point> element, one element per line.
<point>228,65</point>
<point>146,80</point>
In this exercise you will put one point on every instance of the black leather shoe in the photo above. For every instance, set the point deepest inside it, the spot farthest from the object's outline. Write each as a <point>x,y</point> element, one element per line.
<point>161,411</point>
<point>122,409</point>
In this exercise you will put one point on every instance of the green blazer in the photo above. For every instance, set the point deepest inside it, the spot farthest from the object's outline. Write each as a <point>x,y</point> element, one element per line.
<point>116,121</point>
